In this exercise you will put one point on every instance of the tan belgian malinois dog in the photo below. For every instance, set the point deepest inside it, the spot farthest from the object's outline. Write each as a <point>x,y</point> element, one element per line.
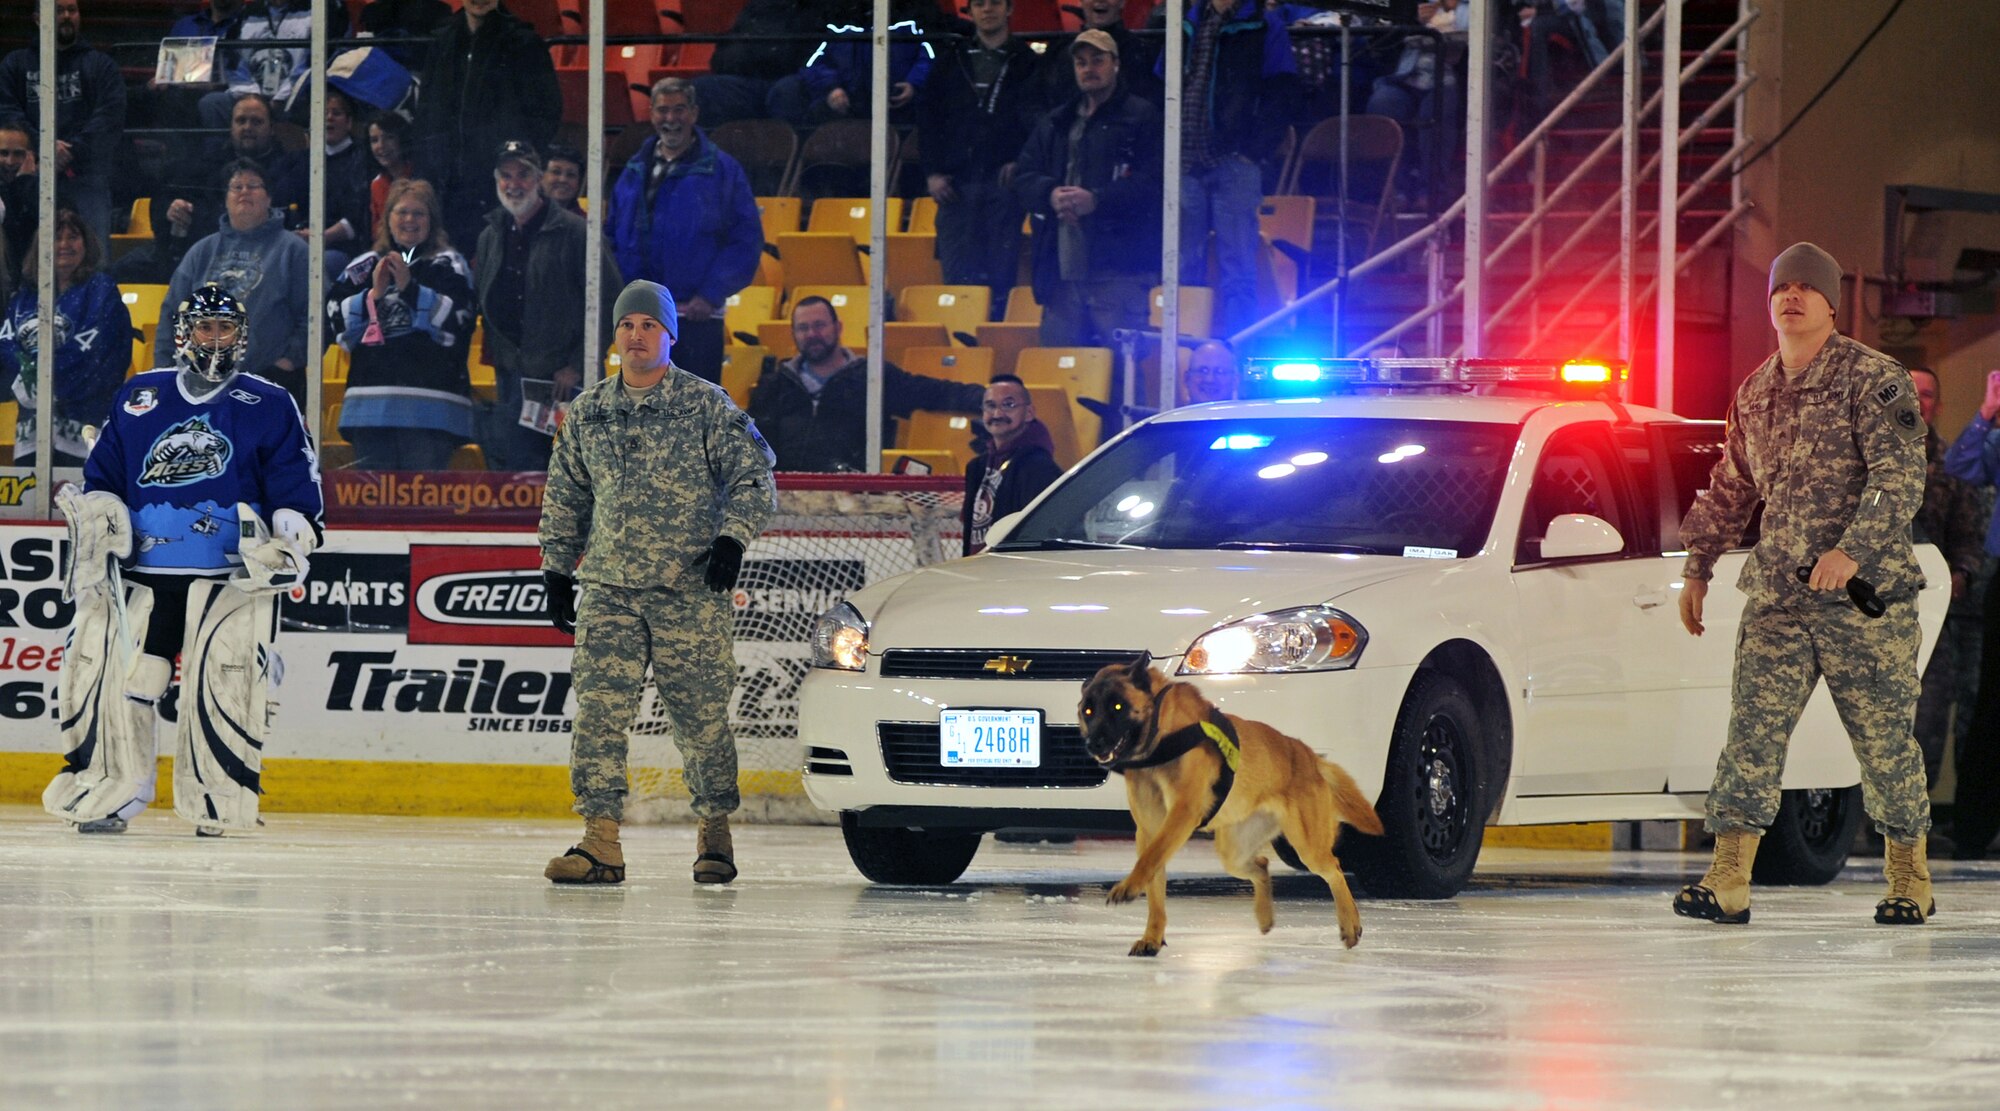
<point>1188,766</point>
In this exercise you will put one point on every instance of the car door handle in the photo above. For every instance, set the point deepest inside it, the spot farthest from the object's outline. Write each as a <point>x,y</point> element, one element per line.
<point>1647,599</point>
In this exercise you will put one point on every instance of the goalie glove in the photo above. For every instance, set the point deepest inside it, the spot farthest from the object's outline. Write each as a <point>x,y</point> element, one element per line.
<point>273,563</point>
<point>100,534</point>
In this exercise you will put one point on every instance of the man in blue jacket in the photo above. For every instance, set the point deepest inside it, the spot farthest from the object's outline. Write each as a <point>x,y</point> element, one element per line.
<point>90,113</point>
<point>682,215</point>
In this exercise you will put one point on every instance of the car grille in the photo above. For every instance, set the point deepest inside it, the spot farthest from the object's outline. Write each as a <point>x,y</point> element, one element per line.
<point>971,663</point>
<point>910,752</point>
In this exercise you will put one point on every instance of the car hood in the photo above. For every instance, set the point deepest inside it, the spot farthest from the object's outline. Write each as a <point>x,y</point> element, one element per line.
<point>1123,600</point>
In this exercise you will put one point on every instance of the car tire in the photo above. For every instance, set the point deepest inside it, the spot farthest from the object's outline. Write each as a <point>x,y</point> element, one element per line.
<point>907,856</point>
<point>1810,838</point>
<point>1433,815</point>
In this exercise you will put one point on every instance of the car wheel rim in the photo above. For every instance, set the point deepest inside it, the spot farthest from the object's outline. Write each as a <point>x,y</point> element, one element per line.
<point>1819,816</point>
<point>1441,802</point>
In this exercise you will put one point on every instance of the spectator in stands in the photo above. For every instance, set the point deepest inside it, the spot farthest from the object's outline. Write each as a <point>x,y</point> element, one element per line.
<point>260,264</point>
<point>178,105</point>
<point>1239,83</point>
<point>741,73</point>
<point>1139,56</point>
<point>1949,517</point>
<point>682,215</point>
<point>405,312</point>
<point>389,147</point>
<point>562,177</point>
<point>1089,177</point>
<point>192,204</point>
<point>405,19</point>
<point>90,113</point>
<point>529,278</point>
<point>277,72</point>
<point>348,168</point>
<point>1018,464</point>
<point>17,198</point>
<point>1211,373</point>
<point>1585,29</point>
<point>836,80</point>
<point>93,347</point>
<point>813,409</point>
<point>972,119</point>
<point>218,19</point>
<point>489,79</point>
<point>1975,458</point>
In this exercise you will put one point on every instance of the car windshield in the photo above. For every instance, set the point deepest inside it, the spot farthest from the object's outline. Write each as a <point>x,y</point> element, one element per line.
<point>1363,485</point>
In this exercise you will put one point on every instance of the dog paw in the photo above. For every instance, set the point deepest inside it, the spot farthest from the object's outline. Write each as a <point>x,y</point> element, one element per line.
<point>1121,893</point>
<point>1146,948</point>
<point>1350,938</point>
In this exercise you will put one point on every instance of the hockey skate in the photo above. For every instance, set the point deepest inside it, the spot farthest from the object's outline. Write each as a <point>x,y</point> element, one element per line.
<point>109,824</point>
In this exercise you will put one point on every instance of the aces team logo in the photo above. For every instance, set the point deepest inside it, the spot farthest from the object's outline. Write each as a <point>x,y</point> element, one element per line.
<point>188,452</point>
<point>143,400</point>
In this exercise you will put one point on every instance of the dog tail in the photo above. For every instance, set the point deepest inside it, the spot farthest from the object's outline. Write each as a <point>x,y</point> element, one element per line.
<point>1353,806</point>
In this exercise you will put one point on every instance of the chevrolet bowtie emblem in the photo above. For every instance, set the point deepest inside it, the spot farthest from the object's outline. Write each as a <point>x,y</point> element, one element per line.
<point>1008,665</point>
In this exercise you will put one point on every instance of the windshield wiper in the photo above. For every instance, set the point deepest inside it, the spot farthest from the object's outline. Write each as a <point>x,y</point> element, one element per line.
<point>1289,546</point>
<point>1064,543</point>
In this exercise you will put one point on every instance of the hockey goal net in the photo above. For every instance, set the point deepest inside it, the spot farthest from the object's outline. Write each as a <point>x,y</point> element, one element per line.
<point>831,535</point>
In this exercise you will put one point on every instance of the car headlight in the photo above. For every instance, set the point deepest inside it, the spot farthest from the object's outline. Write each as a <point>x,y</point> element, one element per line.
<point>1310,638</point>
<point>840,639</point>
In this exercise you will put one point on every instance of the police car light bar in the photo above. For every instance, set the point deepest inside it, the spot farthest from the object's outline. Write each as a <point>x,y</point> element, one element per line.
<point>1292,374</point>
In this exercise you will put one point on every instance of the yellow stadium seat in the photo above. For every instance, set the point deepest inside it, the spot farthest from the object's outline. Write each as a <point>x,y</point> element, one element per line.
<point>1197,309</point>
<point>335,457</point>
<point>334,365</point>
<point>1022,308</point>
<point>143,302</point>
<point>467,457</point>
<point>770,271</point>
<point>138,230</point>
<point>960,308</point>
<point>775,336</point>
<point>820,258</point>
<point>898,336</point>
<point>9,413</point>
<point>850,215</point>
<point>897,460</point>
<point>971,365</point>
<point>778,214</point>
<point>742,364</point>
<point>929,430</point>
<point>1007,340</point>
<point>747,308</point>
<point>1054,408</point>
<point>923,215</point>
<point>329,429</point>
<point>1081,372</point>
<point>913,260</point>
<point>1287,218</point>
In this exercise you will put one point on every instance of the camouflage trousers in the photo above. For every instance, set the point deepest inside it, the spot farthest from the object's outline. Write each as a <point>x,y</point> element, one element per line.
<point>684,638</point>
<point>1870,666</point>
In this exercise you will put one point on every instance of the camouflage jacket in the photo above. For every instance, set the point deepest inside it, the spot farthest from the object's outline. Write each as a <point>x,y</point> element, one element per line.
<point>640,492</point>
<point>1836,454</point>
<point>1953,516</point>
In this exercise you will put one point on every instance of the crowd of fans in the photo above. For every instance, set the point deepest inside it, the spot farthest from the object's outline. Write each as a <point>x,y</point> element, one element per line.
<point>453,208</point>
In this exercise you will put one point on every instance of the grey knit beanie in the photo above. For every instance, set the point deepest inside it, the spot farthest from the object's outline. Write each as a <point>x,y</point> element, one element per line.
<point>1804,262</point>
<point>655,301</point>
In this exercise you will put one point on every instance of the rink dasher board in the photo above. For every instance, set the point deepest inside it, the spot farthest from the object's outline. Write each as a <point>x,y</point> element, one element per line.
<point>429,647</point>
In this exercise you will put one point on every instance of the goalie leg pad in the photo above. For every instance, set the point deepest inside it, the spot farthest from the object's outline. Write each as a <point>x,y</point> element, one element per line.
<point>109,757</point>
<point>225,704</point>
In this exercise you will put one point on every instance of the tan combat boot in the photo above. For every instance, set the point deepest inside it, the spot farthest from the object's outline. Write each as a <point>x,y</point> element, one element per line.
<point>1723,895</point>
<point>1909,902</point>
<point>715,855</point>
<point>598,858</point>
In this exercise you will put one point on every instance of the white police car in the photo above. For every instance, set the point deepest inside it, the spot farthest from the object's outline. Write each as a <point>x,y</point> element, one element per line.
<point>1461,589</point>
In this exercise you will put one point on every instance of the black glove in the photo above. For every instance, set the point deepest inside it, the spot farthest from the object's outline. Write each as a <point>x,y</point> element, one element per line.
<point>1859,590</point>
<point>725,559</point>
<point>559,600</point>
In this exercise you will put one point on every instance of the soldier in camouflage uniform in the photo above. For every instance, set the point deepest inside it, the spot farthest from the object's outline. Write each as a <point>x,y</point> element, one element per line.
<point>1953,516</point>
<point>657,483</point>
<point>1827,434</point>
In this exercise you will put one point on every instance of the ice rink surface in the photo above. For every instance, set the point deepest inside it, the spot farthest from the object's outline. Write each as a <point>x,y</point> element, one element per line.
<point>389,962</point>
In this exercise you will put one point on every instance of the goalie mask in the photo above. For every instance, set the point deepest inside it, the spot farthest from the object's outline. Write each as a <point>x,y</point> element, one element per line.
<point>211,334</point>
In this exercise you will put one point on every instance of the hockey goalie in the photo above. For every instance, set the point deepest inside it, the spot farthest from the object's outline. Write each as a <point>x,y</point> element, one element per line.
<point>200,506</point>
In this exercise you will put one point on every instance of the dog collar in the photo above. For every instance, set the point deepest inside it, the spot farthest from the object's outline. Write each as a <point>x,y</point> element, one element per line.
<point>1217,729</point>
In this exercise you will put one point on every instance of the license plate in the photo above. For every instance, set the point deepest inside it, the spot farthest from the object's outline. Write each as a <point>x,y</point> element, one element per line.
<point>990,738</point>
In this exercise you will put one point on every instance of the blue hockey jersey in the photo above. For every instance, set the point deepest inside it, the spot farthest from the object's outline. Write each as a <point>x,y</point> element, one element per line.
<point>181,465</point>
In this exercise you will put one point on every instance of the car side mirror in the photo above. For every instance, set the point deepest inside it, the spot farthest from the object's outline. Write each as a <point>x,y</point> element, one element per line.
<point>1572,535</point>
<point>998,530</point>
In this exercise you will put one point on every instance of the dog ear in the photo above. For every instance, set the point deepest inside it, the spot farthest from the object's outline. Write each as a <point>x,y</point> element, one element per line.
<point>1141,674</point>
